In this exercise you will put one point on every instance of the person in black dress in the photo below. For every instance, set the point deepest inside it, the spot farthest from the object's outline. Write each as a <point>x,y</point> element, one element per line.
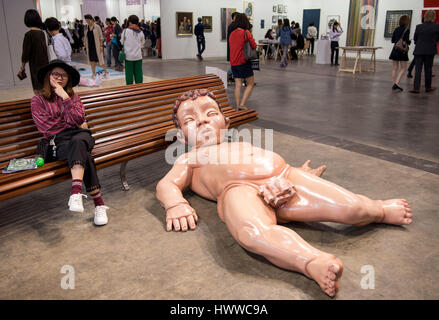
<point>34,47</point>
<point>400,58</point>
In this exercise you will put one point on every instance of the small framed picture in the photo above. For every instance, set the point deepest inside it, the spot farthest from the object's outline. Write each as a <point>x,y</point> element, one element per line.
<point>207,22</point>
<point>285,9</point>
<point>274,9</point>
<point>184,22</point>
<point>280,8</point>
<point>274,19</point>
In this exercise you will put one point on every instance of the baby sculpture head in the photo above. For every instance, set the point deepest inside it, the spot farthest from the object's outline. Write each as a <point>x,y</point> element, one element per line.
<point>199,118</point>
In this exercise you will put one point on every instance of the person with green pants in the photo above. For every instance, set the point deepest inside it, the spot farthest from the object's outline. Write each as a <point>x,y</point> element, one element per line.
<point>133,40</point>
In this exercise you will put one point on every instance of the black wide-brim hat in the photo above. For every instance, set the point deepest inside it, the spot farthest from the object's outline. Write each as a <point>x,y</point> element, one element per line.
<point>73,73</point>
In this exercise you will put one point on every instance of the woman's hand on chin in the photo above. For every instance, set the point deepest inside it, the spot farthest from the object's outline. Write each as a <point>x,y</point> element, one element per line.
<point>58,89</point>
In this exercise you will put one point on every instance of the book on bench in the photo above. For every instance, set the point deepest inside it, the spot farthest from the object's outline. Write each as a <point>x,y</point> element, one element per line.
<point>16,165</point>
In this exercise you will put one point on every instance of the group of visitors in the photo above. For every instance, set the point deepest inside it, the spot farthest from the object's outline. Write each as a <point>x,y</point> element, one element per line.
<point>425,38</point>
<point>291,40</point>
<point>51,40</point>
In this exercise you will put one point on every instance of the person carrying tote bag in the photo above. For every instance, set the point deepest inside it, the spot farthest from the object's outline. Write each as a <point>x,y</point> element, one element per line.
<point>239,59</point>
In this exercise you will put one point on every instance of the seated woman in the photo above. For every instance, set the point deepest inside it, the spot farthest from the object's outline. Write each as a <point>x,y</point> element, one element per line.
<point>269,47</point>
<point>59,115</point>
<point>298,45</point>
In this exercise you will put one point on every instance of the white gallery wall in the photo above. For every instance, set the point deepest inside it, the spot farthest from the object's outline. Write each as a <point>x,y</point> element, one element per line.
<point>341,7</point>
<point>182,47</point>
<point>185,47</point>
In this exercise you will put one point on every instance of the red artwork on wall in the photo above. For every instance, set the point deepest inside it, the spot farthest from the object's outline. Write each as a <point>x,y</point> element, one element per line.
<point>431,3</point>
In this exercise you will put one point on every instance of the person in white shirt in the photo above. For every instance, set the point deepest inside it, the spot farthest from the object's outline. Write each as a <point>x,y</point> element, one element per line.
<point>334,36</point>
<point>67,31</point>
<point>61,45</point>
<point>311,35</point>
<point>132,39</point>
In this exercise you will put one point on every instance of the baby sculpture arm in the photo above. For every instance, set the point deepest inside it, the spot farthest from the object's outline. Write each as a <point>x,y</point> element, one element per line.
<point>179,214</point>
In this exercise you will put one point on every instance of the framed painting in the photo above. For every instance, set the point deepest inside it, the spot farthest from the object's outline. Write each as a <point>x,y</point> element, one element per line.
<point>274,9</point>
<point>274,19</point>
<point>249,10</point>
<point>184,22</point>
<point>207,22</point>
<point>362,23</point>
<point>226,20</point>
<point>280,8</point>
<point>392,21</point>
<point>330,21</point>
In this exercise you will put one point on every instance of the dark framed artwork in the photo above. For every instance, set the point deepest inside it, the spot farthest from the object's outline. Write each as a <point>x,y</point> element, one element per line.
<point>207,22</point>
<point>226,19</point>
<point>185,23</point>
<point>392,21</point>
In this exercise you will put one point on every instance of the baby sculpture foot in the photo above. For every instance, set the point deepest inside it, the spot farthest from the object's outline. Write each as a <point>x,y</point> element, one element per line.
<point>318,172</point>
<point>326,270</point>
<point>397,211</point>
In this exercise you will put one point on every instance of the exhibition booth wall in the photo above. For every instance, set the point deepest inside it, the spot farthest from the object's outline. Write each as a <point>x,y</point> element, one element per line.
<point>182,47</point>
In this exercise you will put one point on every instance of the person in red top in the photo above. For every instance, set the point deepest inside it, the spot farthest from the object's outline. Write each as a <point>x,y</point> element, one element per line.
<point>241,68</point>
<point>109,29</point>
<point>59,115</point>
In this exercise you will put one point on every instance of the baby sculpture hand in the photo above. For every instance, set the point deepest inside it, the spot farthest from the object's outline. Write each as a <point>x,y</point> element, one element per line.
<point>180,216</point>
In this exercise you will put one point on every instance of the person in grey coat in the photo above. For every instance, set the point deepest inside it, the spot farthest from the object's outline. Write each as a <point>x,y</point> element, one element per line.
<point>426,36</point>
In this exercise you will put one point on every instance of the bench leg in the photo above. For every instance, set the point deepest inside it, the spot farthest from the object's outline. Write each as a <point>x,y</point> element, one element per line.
<point>123,178</point>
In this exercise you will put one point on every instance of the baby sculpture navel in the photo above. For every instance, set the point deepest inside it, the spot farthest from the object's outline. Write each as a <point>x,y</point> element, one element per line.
<point>255,196</point>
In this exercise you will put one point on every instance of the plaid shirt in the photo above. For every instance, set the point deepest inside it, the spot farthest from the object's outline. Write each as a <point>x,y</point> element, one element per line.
<point>58,115</point>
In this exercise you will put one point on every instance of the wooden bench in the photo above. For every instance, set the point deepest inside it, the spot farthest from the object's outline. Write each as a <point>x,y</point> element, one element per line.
<point>127,122</point>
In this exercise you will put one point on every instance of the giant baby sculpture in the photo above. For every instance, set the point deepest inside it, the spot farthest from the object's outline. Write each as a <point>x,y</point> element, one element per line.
<point>254,197</point>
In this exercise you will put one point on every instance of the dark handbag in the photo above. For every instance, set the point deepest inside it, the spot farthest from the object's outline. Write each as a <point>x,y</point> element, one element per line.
<point>21,74</point>
<point>255,64</point>
<point>249,52</point>
<point>401,45</point>
<point>44,150</point>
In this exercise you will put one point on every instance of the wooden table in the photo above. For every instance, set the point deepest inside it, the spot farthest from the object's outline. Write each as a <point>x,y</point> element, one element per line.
<point>271,42</point>
<point>358,62</point>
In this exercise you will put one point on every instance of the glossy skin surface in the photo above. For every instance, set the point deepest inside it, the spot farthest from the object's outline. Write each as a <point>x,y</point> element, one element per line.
<point>251,220</point>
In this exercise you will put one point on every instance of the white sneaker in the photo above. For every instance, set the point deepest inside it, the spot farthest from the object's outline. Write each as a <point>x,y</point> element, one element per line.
<point>75,202</point>
<point>101,215</point>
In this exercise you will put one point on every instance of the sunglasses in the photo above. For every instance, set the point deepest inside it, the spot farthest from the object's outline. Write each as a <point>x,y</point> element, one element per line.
<point>60,75</point>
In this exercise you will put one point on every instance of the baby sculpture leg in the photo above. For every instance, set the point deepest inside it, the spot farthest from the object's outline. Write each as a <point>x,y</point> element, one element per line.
<point>319,200</point>
<point>253,225</point>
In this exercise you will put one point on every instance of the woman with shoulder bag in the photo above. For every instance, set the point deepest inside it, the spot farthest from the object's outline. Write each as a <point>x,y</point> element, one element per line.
<point>34,48</point>
<point>241,67</point>
<point>399,53</point>
<point>59,115</point>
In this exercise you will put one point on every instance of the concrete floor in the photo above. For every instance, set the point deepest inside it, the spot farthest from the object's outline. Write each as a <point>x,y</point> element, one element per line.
<point>133,257</point>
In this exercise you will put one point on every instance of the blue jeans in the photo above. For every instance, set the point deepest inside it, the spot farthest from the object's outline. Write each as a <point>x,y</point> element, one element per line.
<point>109,54</point>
